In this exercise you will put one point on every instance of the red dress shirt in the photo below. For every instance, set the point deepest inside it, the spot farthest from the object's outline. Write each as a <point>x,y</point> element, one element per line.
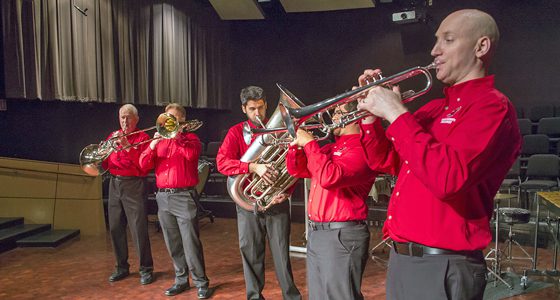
<point>340,178</point>
<point>232,149</point>
<point>126,162</point>
<point>451,157</point>
<point>175,161</point>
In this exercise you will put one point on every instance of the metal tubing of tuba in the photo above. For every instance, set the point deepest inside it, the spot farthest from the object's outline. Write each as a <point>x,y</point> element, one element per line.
<point>294,117</point>
<point>250,191</point>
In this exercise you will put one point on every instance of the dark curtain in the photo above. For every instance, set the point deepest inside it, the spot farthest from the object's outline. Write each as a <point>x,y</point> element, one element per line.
<point>124,51</point>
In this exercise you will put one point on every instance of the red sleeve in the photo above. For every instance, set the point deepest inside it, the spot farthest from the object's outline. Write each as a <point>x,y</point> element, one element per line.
<point>378,150</point>
<point>331,173</point>
<point>296,163</point>
<point>190,145</point>
<point>447,168</point>
<point>147,159</point>
<point>229,154</point>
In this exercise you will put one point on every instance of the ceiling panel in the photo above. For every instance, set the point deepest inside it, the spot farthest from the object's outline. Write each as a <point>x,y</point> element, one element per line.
<point>324,5</point>
<point>238,9</point>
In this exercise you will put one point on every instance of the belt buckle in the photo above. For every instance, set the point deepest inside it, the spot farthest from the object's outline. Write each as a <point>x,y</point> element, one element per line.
<point>312,225</point>
<point>416,250</point>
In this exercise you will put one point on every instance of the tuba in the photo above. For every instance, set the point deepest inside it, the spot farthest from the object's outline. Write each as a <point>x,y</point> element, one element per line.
<point>250,191</point>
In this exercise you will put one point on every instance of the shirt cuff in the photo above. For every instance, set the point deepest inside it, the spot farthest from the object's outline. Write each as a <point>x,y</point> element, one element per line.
<point>402,129</point>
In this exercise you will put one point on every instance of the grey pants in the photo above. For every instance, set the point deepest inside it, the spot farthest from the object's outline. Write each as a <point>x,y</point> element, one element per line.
<point>336,260</point>
<point>177,216</point>
<point>436,277</point>
<point>253,232</point>
<point>127,205</point>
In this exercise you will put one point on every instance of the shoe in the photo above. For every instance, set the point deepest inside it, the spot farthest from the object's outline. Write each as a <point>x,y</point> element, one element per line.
<point>204,293</point>
<point>118,275</point>
<point>176,289</point>
<point>147,278</point>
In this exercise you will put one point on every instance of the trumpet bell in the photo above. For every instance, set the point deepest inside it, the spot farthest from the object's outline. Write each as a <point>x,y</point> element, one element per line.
<point>91,159</point>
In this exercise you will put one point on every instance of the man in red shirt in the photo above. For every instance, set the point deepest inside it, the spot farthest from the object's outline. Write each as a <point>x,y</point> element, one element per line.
<point>176,167</point>
<point>127,197</point>
<point>256,226</point>
<point>337,245</point>
<point>450,156</point>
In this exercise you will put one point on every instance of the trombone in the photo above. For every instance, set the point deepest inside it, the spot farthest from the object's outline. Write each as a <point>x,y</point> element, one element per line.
<point>92,156</point>
<point>295,118</point>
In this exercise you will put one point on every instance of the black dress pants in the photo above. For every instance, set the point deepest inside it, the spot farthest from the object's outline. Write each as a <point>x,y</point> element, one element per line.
<point>254,230</point>
<point>127,204</point>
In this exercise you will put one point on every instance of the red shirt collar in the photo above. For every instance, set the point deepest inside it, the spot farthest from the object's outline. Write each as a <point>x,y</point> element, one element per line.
<point>469,87</point>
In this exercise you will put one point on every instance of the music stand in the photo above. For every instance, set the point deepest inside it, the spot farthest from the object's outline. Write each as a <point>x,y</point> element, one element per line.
<point>496,257</point>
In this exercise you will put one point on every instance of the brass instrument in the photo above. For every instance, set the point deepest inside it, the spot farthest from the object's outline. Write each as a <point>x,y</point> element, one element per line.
<point>92,156</point>
<point>295,117</point>
<point>250,191</point>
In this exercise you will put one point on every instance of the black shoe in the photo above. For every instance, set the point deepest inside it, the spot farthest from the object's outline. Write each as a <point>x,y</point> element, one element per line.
<point>118,275</point>
<point>176,289</point>
<point>204,293</point>
<point>146,278</point>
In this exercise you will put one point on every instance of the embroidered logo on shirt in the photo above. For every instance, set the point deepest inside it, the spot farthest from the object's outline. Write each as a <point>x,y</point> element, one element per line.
<point>337,153</point>
<point>450,115</point>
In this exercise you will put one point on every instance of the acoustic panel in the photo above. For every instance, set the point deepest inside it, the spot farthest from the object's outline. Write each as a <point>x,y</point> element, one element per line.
<point>291,6</point>
<point>238,9</point>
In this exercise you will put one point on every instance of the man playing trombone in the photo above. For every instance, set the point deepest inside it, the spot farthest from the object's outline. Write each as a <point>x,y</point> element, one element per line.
<point>127,197</point>
<point>176,167</point>
<point>451,157</point>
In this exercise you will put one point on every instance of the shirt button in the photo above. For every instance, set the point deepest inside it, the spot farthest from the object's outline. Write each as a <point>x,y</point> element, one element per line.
<point>389,217</point>
<point>406,162</point>
<point>407,171</point>
<point>392,139</point>
<point>458,99</point>
<point>446,108</point>
<point>397,194</point>
<point>367,131</point>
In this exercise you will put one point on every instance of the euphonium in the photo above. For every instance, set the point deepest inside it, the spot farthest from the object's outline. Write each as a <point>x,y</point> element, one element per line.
<point>250,191</point>
<point>92,156</point>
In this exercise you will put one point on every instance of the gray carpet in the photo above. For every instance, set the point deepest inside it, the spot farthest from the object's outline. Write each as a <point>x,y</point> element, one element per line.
<point>501,291</point>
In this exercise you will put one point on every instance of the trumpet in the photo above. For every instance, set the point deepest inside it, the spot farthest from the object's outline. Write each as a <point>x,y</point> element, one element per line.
<point>295,118</point>
<point>93,155</point>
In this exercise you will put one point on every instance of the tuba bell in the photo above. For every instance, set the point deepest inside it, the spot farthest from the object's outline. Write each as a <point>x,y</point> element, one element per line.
<point>250,191</point>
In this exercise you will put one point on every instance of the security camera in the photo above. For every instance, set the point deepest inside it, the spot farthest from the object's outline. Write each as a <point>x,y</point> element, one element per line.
<point>405,17</point>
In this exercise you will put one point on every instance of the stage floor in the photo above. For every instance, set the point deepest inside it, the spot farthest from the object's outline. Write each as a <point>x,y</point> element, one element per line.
<point>79,269</point>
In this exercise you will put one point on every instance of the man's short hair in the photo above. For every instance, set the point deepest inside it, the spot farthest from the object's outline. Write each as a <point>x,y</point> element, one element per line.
<point>252,93</point>
<point>178,107</point>
<point>130,108</point>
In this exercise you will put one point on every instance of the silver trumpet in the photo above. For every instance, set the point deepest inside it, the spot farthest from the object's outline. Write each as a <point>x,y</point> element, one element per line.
<point>296,117</point>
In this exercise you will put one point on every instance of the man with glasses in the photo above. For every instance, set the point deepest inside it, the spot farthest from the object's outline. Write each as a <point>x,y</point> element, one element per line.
<point>337,246</point>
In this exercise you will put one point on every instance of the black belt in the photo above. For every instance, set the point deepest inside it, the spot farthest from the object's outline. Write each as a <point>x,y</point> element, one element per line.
<point>333,225</point>
<point>175,190</point>
<point>120,177</point>
<point>413,249</point>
